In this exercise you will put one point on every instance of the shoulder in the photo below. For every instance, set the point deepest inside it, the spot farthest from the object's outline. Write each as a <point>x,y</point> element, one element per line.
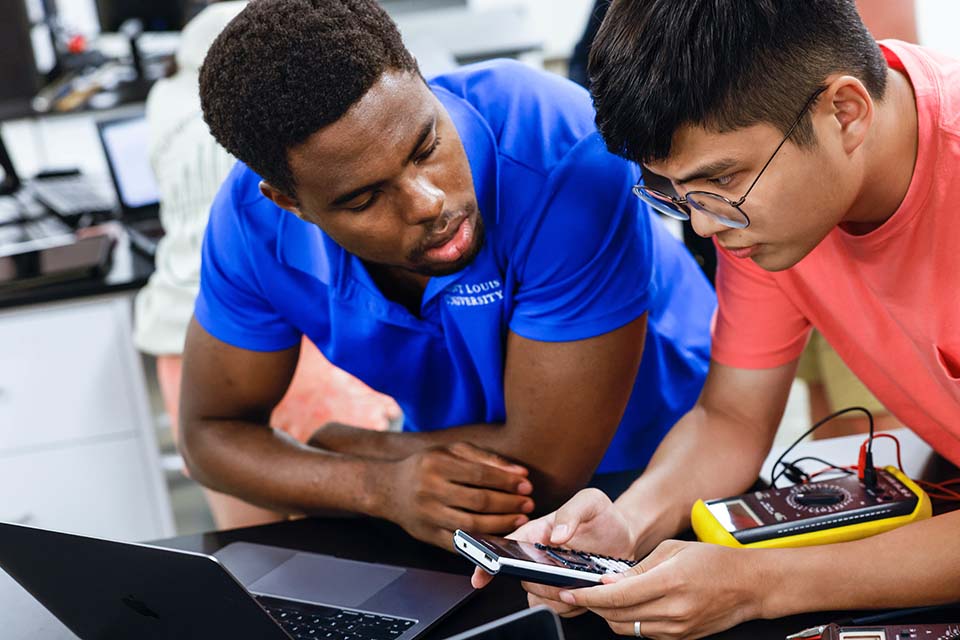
<point>239,209</point>
<point>536,117</point>
<point>935,78</point>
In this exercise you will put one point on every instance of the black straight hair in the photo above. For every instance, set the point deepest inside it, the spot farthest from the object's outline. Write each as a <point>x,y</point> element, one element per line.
<point>659,65</point>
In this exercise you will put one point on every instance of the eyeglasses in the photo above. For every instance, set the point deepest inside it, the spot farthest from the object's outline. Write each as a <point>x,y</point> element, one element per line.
<point>724,210</point>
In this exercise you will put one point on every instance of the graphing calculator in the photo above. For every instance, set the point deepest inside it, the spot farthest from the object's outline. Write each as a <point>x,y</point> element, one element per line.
<point>537,562</point>
<point>835,510</point>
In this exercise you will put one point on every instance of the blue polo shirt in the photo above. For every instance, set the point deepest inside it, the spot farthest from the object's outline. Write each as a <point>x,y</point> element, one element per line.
<point>569,254</point>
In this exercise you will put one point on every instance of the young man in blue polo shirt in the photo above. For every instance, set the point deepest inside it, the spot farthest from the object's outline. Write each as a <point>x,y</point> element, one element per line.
<point>467,246</point>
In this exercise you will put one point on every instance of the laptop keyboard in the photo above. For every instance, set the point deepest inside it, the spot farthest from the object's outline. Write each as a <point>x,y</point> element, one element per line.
<point>306,621</point>
<point>72,196</point>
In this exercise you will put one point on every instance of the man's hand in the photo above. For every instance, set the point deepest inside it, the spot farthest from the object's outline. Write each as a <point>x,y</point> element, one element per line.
<point>680,590</point>
<point>588,522</point>
<point>433,492</point>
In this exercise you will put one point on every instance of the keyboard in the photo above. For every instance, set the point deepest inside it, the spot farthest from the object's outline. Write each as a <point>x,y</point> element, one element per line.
<point>309,622</point>
<point>74,195</point>
<point>589,562</point>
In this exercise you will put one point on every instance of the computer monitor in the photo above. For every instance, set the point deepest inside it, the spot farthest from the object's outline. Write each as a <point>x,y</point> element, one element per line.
<point>156,15</point>
<point>125,142</point>
<point>19,78</point>
<point>9,180</point>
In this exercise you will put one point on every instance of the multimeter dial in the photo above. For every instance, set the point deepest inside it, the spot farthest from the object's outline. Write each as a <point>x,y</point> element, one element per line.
<point>822,497</point>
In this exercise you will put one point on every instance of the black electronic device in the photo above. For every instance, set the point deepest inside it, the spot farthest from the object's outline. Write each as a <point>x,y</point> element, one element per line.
<point>884,632</point>
<point>820,512</point>
<point>536,623</point>
<point>19,77</point>
<point>154,15</point>
<point>71,195</point>
<point>125,142</point>
<point>109,589</point>
<point>537,562</point>
<point>85,258</point>
<point>9,180</point>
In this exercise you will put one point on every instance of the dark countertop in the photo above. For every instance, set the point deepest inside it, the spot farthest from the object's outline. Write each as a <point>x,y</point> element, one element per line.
<point>375,540</point>
<point>129,270</point>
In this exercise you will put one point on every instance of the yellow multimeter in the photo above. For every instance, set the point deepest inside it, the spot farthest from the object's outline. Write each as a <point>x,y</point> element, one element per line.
<point>823,512</point>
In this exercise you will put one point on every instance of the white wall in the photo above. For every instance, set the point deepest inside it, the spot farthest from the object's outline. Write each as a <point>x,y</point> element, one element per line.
<point>937,23</point>
<point>559,21</point>
<point>562,21</point>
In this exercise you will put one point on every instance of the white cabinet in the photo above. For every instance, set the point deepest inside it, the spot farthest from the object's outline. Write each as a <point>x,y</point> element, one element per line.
<point>77,445</point>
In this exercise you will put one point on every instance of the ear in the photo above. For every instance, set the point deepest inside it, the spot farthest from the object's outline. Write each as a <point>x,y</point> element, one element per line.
<point>279,198</point>
<point>852,108</point>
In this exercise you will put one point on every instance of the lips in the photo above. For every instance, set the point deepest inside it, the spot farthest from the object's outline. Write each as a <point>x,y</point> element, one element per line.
<point>742,252</point>
<point>447,237</point>
<point>453,245</point>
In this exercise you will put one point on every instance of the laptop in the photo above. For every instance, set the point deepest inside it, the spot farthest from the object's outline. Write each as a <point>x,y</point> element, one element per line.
<point>104,589</point>
<point>125,142</point>
<point>540,622</point>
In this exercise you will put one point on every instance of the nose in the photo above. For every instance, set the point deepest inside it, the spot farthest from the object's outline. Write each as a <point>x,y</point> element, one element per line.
<point>425,201</point>
<point>704,225</point>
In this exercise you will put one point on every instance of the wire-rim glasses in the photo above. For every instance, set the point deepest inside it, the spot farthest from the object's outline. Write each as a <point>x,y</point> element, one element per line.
<point>720,208</point>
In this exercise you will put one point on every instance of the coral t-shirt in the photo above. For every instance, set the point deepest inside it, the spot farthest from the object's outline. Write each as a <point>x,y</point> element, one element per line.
<point>887,301</point>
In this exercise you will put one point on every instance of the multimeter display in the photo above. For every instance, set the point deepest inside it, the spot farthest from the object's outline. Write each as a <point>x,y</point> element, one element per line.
<point>779,514</point>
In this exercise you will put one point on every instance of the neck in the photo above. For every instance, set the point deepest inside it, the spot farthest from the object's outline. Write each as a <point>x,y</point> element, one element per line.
<point>892,158</point>
<point>399,285</point>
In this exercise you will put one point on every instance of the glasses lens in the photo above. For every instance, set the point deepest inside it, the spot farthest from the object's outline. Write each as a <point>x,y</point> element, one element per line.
<point>661,202</point>
<point>718,208</point>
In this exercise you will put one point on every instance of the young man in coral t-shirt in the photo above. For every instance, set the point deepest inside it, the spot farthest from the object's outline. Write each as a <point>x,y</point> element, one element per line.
<point>830,166</point>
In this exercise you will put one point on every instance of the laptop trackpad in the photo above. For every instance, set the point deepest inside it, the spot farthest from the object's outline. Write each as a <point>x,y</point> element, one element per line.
<point>326,580</point>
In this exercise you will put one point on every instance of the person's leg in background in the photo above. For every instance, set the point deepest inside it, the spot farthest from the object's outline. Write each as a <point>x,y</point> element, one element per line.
<point>318,393</point>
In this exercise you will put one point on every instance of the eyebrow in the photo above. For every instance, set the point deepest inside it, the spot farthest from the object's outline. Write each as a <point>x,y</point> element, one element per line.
<point>708,170</point>
<point>421,138</point>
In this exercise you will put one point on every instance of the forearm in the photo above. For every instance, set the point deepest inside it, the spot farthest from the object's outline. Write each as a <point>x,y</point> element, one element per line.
<point>915,565</point>
<point>556,474</point>
<point>268,468</point>
<point>705,455</point>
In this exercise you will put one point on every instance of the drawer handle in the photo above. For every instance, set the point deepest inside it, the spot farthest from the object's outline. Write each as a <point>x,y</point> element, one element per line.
<point>24,518</point>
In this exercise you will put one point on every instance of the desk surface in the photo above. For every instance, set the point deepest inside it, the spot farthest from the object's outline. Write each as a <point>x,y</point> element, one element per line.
<point>129,270</point>
<point>372,540</point>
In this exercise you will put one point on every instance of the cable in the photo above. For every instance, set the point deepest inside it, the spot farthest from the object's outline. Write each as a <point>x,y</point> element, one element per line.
<point>792,465</point>
<point>897,441</point>
<point>940,490</point>
<point>868,453</point>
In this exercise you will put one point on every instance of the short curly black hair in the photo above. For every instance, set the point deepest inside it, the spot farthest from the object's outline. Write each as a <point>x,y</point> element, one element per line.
<point>284,69</point>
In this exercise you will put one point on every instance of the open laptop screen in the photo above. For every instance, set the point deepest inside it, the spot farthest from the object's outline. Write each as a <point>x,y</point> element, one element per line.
<point>125,144</point>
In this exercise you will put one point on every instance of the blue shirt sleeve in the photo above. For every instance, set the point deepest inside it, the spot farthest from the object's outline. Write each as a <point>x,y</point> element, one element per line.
<point>587,261</point>
<point>233,305</point>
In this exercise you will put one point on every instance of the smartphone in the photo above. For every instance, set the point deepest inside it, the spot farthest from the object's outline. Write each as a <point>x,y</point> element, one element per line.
<point>536,562</point>
<point>85,258</point>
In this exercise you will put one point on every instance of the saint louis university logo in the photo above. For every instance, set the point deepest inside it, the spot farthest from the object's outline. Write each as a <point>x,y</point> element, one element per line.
<point>474,295</point>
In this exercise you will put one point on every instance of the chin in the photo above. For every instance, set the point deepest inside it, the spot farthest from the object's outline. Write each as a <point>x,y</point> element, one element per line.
<point>446,269</point>
<point>773,261</point>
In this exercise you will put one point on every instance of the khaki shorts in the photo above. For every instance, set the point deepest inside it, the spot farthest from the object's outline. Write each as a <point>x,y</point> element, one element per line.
<point>820,364</point>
